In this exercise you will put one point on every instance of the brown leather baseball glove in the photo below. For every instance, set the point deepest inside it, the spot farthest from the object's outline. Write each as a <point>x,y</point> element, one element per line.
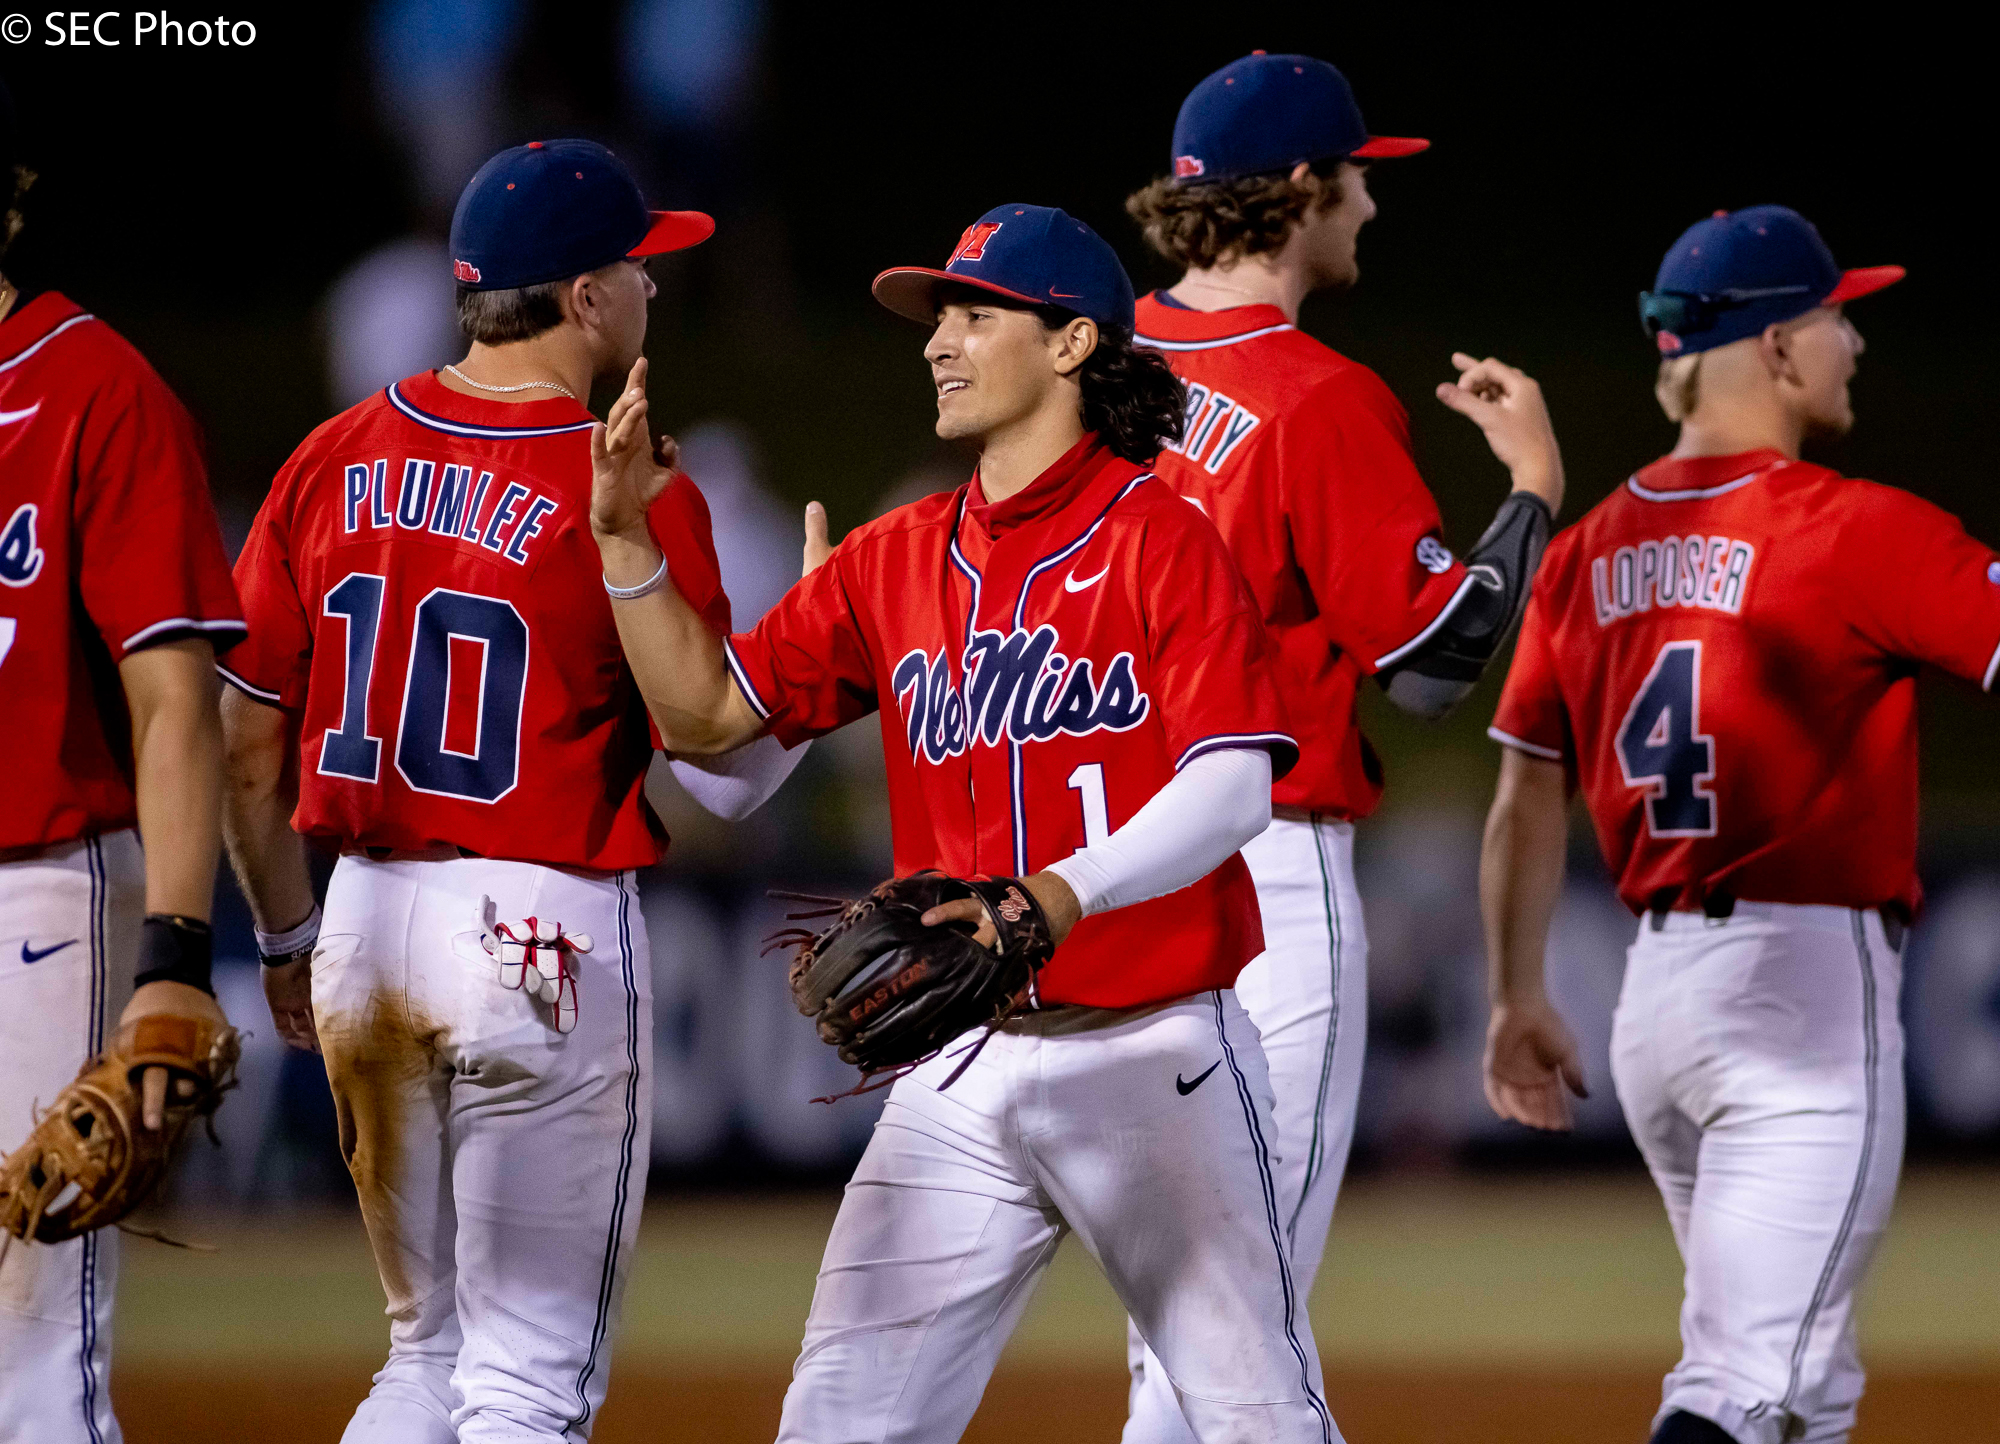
<point>90,1161</point>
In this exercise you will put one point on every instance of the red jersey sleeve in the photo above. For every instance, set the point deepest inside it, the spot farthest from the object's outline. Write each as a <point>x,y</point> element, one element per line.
<point>152,566</point>
<point>1365,529</point>
<point>685,534</point>
<point>1211,661</point>
<point>807,668</point>
<point>1531,717</point>
<point>274,662</point>
<point>1919,587</point>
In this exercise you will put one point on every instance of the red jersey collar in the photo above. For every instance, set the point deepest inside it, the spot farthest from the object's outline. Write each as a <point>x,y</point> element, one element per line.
<point>1688,477</point>
<point>28,326</point>
<point>1158,321</point>
<point>427,400</point>
<point>1066,479</point>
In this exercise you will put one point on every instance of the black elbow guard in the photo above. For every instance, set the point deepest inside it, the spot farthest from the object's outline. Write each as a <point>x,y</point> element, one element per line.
<point>1443,668</point>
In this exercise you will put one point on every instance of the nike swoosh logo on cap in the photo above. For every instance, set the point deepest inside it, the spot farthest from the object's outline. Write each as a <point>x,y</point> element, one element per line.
<point>1071,584</point>
<point>8,417</point>
<point>35,955</point>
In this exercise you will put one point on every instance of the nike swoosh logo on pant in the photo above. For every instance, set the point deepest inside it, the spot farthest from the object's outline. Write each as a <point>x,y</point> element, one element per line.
<point>1186,1088</point>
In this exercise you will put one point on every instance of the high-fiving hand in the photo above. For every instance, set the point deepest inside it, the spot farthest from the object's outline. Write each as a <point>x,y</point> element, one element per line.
<point>1507,406</point>
<point>628,467</point>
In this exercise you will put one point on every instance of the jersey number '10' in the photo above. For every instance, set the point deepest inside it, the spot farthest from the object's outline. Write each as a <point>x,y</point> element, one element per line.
<point>489,771</point>
<point>1660,746</point>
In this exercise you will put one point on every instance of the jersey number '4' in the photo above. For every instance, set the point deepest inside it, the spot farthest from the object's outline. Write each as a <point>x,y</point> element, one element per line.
<point>486,773</point>
<point>1660,746</point>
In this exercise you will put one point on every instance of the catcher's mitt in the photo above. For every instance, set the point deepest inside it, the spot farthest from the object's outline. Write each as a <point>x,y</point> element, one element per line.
<point>90,1160</point>
<point>890,993</point>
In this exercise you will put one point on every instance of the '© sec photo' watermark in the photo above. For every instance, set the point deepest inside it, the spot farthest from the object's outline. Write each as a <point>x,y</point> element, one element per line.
<point>111,29</point>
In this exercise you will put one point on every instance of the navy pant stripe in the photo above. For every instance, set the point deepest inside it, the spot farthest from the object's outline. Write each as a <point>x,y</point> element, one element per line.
<point>1262,1151</point>
<point>607,1279</point>
<point>94,1039</point>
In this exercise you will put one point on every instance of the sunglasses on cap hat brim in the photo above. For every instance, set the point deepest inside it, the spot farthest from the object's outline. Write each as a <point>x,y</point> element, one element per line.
<point>1683,313</point>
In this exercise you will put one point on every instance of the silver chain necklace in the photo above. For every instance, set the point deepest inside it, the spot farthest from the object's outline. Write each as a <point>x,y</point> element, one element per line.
<point>524,386</point>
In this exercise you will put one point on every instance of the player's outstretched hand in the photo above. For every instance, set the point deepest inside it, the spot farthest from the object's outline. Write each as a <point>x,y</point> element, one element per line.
<point>628,468</point>
<point>1507,405</point>
<point>180,1000</point>
<point>1532,1065</point>
<point>818,548</point>
<point>288,989</point>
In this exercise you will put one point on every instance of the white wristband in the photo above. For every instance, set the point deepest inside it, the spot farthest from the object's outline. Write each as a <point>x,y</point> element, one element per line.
<point>292,940</point>
<point>651,584</point>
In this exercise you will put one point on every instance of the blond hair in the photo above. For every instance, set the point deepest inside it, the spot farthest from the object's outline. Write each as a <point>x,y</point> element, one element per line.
<point>1678,386</point>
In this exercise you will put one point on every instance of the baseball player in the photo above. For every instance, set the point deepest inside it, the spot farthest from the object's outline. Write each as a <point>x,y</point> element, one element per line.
<point>1722,655</point>
<point>1302,459</point>
<point>433,684</point>
<point>1074,690</point>
<point>114,591</point>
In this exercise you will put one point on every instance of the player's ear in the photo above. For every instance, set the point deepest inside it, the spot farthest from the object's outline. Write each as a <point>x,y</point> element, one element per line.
<point>579,299</point>
<point>1073,344</point>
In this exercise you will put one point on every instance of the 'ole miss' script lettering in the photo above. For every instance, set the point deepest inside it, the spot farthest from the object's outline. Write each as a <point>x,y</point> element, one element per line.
<point>445,500</point>
<point>1017,686</point>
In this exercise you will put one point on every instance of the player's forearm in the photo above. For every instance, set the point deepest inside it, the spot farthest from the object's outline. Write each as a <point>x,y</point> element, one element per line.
<point>1186,830</point>
<point>1521,871</point>
<point>260,792</point>
<point>177,772</point>
<point>675,659</point>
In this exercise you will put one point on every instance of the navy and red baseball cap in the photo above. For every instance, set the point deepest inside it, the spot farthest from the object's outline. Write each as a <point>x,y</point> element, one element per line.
<point>1034,254</point>
<point>552,209</point>
<point>1263,114</point>
<point>1737,272</point>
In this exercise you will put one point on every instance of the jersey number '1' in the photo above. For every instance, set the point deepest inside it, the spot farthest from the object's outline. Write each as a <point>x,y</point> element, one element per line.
<point>1660,746</point>
<point>489,771</point>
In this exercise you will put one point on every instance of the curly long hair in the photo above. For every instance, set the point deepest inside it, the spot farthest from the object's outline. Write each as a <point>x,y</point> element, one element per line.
<point>1131,397</point>
<point>1202,223</point>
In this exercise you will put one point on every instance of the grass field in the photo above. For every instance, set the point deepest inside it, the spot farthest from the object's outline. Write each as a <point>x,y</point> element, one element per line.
<point>1535,1311</point>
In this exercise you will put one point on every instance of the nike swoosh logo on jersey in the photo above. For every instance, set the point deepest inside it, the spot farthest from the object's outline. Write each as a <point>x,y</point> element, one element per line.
<point>1071,584</point>
<point>35,955</point>
<point>8,417</point>
<point>1186,1088</point>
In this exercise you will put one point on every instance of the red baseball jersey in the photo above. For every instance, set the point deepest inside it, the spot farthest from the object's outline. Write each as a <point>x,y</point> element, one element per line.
<point>1043,665</point>
<point>108,544</point>
<point>422,585</point>
<point>1725,650</point>
<point>1301,458</point>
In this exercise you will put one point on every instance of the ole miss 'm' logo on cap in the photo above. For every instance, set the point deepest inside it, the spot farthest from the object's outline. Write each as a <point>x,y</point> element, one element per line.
<point>466,272</point>
<point>972,245</point>
<point>1187,165</point>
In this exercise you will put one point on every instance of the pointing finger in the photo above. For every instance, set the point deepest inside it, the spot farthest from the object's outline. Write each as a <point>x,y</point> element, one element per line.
<point>153,1097</point>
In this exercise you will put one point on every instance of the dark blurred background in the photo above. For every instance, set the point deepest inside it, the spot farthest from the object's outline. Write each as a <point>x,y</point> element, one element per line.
<point>267,223</point>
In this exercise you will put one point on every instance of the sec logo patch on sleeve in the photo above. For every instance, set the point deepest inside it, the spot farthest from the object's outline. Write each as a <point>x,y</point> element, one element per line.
<point>1433,556</point>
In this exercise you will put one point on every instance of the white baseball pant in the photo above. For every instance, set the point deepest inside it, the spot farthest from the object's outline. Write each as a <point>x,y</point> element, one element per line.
<point>1759,1060</point>
<point>500,1165</point>
<point>69,946</point>
<point>1307,993</point>
<point>1148,1133</point>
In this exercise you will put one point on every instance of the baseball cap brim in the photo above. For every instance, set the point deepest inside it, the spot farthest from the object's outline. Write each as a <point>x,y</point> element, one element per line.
<point>1862,282</point>
<point>1388,147</point>
<point>674,231</point>
<point>911,291</point>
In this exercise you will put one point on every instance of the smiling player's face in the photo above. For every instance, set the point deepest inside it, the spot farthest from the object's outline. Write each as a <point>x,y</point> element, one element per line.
<point>992,366</point>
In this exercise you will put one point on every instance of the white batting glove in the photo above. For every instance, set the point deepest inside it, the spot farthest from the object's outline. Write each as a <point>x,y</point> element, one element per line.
<point>534,956</point>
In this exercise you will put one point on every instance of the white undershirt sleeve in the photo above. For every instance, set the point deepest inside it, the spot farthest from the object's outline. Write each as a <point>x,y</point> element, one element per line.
<point>1185,831</point>
<point>732,785</point>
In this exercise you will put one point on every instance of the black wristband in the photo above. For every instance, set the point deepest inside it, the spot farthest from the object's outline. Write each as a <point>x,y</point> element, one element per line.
<point>174,949</point>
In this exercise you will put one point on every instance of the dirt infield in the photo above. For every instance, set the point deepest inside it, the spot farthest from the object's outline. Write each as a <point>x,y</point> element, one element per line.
<point>1380,1407</point>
